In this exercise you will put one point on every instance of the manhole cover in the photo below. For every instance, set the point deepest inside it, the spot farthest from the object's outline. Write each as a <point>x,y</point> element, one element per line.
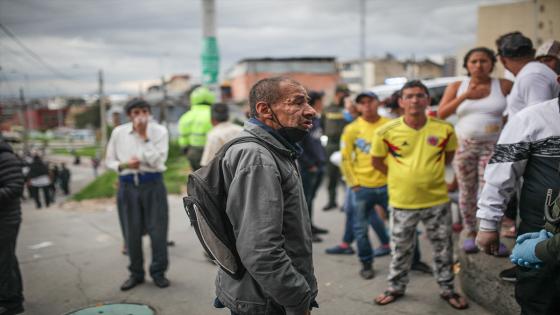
<point>115,309</point>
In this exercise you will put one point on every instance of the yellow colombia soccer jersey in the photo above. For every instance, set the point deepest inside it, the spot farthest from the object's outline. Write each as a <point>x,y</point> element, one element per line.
<point>416,161</point>
<point>355,146</point>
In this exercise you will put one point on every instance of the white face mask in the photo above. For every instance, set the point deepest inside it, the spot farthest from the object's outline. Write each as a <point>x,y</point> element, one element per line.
<point>508,75</point>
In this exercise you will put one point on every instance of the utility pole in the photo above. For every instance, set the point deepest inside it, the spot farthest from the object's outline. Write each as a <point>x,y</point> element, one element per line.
<point>25,125</point>
<point>163,103</point>
<point>210,55</point>
<point>363,43</point>
<point>102,110</point>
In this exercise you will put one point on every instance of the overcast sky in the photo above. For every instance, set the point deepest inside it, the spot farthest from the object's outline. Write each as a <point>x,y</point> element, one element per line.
<point>135,42</point>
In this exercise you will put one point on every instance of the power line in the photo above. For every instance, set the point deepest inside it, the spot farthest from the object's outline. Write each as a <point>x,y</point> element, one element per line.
<point>33,54</point>
<point>8,84</point>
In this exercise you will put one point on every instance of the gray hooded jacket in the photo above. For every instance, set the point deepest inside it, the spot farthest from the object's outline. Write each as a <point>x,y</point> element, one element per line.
<point>267,209</point>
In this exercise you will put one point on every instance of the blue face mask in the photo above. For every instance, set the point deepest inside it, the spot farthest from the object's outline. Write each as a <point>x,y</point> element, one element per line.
<point>347,116</point>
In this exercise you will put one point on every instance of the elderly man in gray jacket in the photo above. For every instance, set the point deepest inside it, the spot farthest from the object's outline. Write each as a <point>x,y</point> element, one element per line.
<point>266,206</point>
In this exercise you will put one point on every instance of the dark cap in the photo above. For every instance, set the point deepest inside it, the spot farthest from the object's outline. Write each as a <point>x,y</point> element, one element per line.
<point>366,94</point>
<point>219,112</point>
<point>514,45</point>
<point>315,96</point>
<point>134,103</point>
<point>342,88</point>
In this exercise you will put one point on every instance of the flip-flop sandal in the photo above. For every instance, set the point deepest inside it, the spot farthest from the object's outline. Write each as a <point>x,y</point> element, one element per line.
<point>469,246</point>
<point>447,297</point>
<point>393,297</point>
<point>503,251</point>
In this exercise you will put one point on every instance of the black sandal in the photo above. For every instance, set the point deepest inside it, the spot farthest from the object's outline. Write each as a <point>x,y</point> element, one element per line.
<point>394,295</point>
<point>448,296</point>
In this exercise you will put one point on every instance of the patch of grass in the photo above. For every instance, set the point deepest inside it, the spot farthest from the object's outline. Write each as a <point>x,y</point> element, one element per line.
<point>177,171</point>
<point>85,151</point>
<point>175,177</point>
<point>104,186</point>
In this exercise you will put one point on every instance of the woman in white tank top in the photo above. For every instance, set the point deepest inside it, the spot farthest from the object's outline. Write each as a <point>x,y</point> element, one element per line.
<point>479,103</point>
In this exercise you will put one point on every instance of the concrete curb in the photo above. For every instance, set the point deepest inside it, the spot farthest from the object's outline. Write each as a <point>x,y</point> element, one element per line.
<point>481,283</point>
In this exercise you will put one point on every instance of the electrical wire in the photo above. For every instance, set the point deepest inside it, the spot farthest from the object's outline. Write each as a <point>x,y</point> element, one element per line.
<point>33,54</point>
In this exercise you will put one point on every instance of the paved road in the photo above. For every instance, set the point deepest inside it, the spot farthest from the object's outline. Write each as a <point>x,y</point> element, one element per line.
<point>70,258</point>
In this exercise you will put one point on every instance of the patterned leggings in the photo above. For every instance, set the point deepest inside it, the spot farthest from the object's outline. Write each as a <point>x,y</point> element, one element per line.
<point>471,159</point>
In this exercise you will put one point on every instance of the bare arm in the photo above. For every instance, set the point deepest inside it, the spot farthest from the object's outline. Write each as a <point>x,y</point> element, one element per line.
<point>450,101</point>
<point>505,85</point>
<point>449,157</point>
<point>379,164</point>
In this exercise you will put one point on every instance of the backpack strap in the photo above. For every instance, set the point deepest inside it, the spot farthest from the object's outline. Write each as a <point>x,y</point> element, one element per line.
<point>246,139</point>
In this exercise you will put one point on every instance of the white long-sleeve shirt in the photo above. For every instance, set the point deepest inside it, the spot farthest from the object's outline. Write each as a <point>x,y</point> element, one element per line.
<point>126,144</point>
<point>216,138</point>
<point>534,84</point>
<point>529,147</point>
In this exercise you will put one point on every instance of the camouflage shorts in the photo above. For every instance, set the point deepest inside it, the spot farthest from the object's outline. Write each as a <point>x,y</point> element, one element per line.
<point>437,221</point>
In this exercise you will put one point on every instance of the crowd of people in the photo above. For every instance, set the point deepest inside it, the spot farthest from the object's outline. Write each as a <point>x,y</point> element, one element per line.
<point>393,169</point>
<point>44,179</point>
<point>503,149</point>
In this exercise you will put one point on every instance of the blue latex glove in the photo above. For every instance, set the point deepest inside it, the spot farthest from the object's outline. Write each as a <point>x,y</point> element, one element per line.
<point>523,253</point>
<point>526,236</point>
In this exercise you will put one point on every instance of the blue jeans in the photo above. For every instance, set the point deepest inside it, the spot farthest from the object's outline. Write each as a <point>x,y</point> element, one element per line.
<point>348,236</point>
<point>364,201</point>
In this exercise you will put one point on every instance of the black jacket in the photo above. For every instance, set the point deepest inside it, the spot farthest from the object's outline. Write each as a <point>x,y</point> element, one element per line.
<point>11,183</point>
<point>313,152</point>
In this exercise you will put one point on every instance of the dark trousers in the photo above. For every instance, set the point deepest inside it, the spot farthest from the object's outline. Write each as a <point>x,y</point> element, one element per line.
<point>11,288</point>
<point>333,173</point>
<point>194,155</point>
<point>511,209</point>
<point>122,217</point>
<point>144,208</point>
<point>310,182</point>
<point>64,186</point>
<point>538,290</point>
<point>35,193</point>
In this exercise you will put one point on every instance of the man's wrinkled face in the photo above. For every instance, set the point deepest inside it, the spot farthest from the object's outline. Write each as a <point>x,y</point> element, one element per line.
<point>293,109</point>
<point>414,101</point>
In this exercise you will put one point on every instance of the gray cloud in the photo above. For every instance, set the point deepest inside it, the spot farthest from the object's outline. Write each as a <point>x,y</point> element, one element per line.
<point>138,41</point>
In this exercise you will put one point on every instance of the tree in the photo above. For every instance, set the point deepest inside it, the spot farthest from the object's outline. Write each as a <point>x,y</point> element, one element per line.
<point>89,118</point>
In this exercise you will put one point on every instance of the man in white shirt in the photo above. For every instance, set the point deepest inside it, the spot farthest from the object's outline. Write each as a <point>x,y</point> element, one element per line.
<point>534,81</point>
<point>549,54</point>
<point>222,132</point>
<point>137,151</point>
<point>528,149</point>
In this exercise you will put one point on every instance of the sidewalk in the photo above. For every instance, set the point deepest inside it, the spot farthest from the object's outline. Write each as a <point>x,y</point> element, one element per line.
<point>70,258</point>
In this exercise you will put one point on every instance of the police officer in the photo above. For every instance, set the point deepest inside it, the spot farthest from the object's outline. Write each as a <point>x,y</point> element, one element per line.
<point>334,122</point>
<point>195,124</point>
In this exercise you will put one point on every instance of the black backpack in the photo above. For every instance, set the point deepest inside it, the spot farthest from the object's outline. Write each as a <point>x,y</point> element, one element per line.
<point>205,205</point>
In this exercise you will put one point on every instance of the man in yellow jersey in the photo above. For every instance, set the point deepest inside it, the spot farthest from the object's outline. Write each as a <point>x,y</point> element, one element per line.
<point>368,186</point>
<point>416,149</point>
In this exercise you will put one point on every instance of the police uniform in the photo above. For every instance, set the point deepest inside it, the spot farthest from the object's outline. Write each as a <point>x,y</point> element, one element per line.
<point>334,123</point>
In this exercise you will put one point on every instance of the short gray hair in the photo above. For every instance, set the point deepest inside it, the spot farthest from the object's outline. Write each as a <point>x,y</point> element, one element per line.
<point>267,90</point>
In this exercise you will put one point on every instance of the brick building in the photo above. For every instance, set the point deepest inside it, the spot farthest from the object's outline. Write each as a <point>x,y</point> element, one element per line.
<point>315,73</point>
